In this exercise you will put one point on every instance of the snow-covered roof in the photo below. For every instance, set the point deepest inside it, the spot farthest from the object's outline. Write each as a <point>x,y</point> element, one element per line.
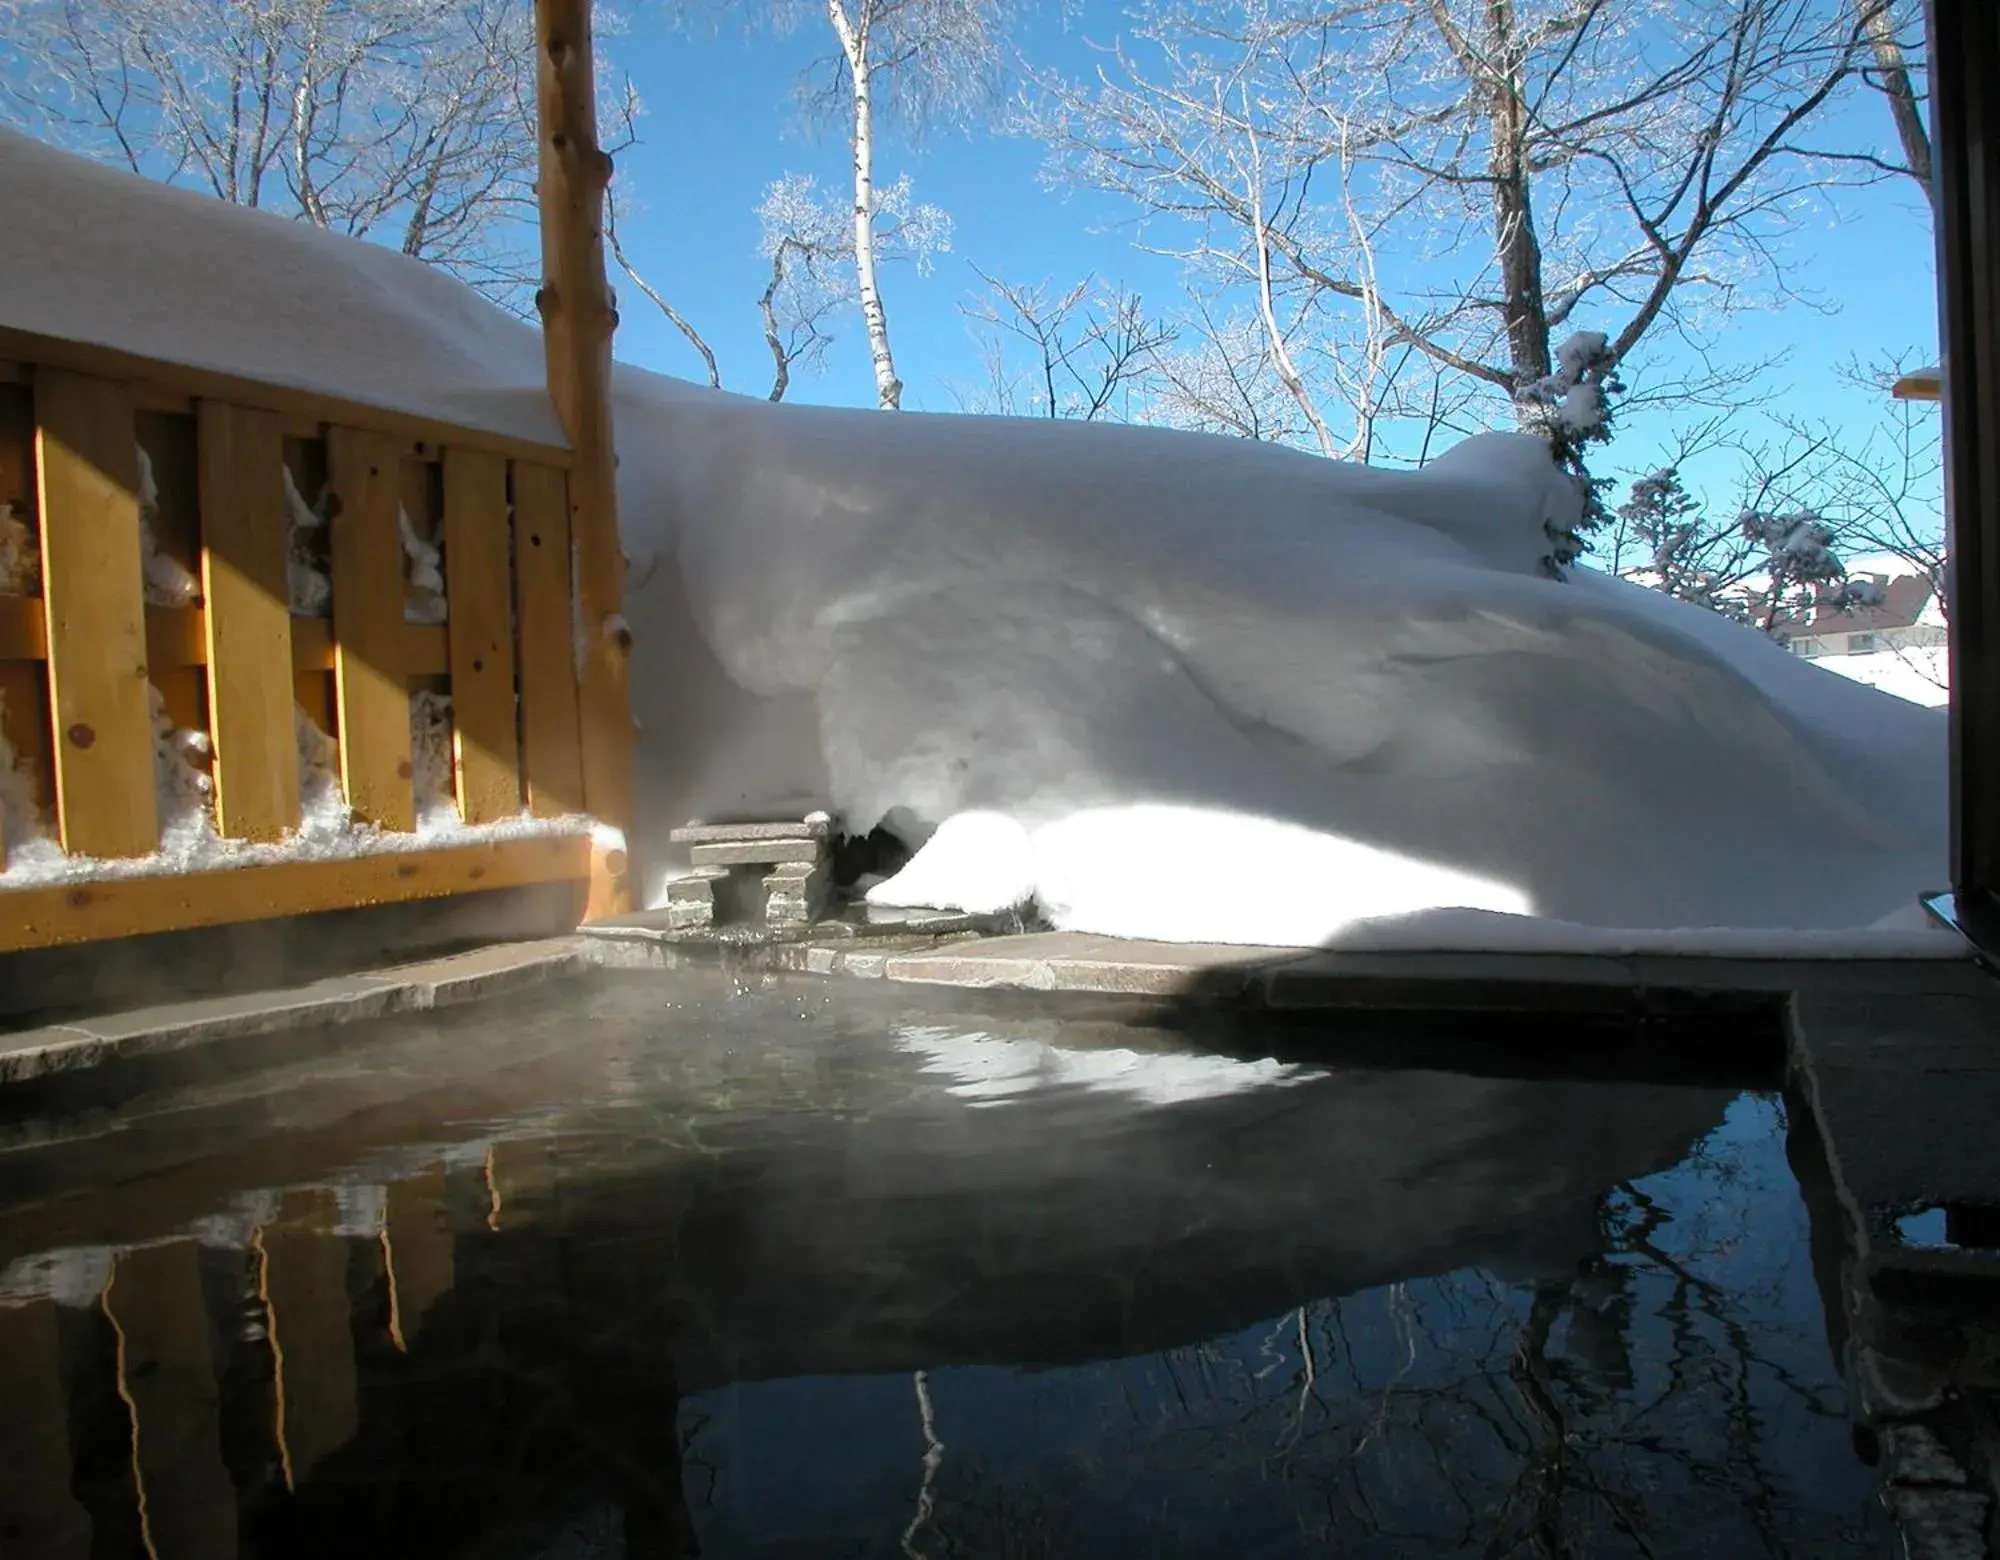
<point>98,255</point>
<point>1901,604</point>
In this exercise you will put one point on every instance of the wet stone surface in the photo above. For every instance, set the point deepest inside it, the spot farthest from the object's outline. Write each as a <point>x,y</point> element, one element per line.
<point>735,1264</point>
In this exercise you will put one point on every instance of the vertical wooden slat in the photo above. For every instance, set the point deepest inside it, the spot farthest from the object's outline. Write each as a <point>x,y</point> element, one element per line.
<point>89,510</point>
<point>166,1374</point>
<point>549,751</point>
<point>371,695</point>
<point>480,635</point>
<point>577,322</point>
<point>243,552</point>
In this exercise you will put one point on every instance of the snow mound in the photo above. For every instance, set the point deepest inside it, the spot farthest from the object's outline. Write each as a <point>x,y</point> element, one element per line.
<point>1230,693</point>
<point>1166,684</point>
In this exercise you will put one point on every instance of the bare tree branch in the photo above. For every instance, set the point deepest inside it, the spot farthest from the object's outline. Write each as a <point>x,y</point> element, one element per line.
<point>1888,24</point>
<point>1627,168</point>
<point>673,315</point>
<point>410,122</point>
<point>1092,359</point>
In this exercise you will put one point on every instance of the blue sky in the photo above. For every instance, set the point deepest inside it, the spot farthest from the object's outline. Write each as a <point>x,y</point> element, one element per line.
<point>721,122</point>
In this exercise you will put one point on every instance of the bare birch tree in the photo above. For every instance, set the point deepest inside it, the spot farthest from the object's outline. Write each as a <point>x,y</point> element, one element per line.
<point>1541,167</point>
<point>922,62</point>
<point>811,241</point>
<point>408,122</point>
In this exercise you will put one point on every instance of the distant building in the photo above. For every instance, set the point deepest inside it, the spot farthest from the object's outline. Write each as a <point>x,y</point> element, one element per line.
<point>1904,615</point>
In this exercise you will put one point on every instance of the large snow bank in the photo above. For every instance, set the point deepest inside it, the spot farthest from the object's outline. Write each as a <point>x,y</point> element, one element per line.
<point>1191,687</point>
<point>1205,689</point>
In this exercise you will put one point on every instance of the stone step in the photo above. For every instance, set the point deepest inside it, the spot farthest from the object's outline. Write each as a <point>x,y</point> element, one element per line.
<point>722,833</point>
<point>697,888</point>
<point>758,853</point>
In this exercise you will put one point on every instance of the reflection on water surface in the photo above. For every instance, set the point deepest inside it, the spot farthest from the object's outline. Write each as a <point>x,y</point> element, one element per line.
<point>653,1268</point>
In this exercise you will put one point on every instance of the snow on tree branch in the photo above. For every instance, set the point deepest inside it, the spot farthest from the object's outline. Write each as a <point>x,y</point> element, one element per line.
<point>407,122</point>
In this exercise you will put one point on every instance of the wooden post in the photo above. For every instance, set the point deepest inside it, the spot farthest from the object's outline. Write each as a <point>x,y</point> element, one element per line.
<point>1964,52</point>
<point>577,322</point>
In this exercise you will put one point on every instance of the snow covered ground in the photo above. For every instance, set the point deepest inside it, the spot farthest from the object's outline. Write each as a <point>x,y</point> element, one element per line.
<point>1167,685</point>
<point>1921,674</point>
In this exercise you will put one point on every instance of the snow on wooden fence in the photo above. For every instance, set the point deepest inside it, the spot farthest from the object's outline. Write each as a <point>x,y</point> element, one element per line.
<point>171,551</point>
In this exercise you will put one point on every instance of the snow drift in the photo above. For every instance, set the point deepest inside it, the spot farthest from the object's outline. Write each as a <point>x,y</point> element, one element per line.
<point>1166,684</point>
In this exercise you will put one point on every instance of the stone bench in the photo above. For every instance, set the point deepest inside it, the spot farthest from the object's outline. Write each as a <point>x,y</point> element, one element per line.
<point>775,875</point>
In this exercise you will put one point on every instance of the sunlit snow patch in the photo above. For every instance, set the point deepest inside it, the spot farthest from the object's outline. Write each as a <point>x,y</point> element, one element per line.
<point>978,862</point>
<point>1157,871</point>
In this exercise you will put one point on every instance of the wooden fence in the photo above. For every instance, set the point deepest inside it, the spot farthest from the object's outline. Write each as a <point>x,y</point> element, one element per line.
<point>77,656</point>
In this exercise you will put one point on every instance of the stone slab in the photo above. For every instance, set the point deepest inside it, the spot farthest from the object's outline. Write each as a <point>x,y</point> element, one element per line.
<point>173,1026</point>
<point>632,954</point>
<point>643,927</point>
<point>1291,979</point>
<point>339,1000</point>
<point>1073,961</point>
<point>1900,1032</point>
<point>890,921</point>
<point>758,853</point>
<point>697,887</point>
<point>1958,974</point>
<point>783,829</point>
<point>1482,981</point>
<point>796,894</point>
<point>1905,1088</point>
<point>1939,1524</point>
<point>485,972</point>
<point>41,1053</point>
<point>1910,1139</point>
<point>89,1042</point>
<point>1912,1454</point>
